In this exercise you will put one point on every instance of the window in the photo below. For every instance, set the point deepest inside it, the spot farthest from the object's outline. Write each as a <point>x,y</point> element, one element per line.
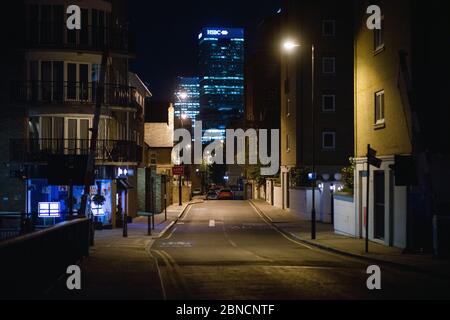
<point>153,159</point>
<point>329,65</point>
<point>329,28</point>
<point>378,37</point>
<point>328,103</point>
<point>379,108</point>
<point>288,143</point>
<point>329,140</point>
<point>288,107</point>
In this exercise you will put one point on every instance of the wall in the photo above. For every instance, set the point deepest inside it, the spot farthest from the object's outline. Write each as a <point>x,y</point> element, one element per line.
<point>269,184</point>
<point>278,197</point>
<point>12,190</point>
<point>395,208</point>
<point>301,203</point>
<point>379,71</point>
<point>344,215</point>
<point>186,194</point>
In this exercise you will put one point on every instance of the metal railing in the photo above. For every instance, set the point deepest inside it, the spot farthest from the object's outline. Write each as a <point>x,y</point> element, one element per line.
<point>32,263</point>
<point>13,225</point>
<point>66,92</point>
<point>53,35</point>
<point>39,150</point>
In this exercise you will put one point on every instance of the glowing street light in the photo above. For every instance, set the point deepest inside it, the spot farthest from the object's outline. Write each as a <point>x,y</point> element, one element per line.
<point>182,95</point>
<point>289,45</point>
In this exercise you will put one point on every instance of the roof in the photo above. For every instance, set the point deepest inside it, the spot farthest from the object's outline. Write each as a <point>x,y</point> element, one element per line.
<point>137,83</point>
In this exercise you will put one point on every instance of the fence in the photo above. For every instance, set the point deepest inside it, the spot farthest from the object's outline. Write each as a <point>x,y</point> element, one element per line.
<point>32,263</point>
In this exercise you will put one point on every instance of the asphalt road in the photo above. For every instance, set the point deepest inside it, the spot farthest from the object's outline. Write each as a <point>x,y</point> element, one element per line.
<point>225,250</point>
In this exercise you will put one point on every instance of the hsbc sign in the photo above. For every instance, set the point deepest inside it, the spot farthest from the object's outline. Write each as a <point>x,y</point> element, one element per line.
<point>218,32</point>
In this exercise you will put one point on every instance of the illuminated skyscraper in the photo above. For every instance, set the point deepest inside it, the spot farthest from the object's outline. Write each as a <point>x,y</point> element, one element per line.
<point>187,97</point>
<point>221,78</point>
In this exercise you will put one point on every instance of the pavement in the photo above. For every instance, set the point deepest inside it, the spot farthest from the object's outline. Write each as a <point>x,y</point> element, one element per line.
<point>327,239</point>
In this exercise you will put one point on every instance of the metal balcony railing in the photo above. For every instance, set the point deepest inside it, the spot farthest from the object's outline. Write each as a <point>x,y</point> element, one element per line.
<point>40,150</point>
<point>66,92</point>
<point>51,35</point>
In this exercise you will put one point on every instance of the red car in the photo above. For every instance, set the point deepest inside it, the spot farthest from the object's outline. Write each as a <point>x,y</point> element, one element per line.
<point>225,194</point>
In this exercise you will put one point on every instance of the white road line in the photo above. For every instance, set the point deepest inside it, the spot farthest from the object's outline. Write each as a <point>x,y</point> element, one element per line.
<point>233,244</point>
<point>275,229</point>
<point>171,234</point>
<point>212,223</point>
<point>163,288</point>
<point>186,213</point>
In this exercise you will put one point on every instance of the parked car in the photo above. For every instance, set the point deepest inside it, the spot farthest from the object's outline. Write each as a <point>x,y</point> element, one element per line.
<point>225,194</point>
<point>212,195</point>
<point>197,192</point>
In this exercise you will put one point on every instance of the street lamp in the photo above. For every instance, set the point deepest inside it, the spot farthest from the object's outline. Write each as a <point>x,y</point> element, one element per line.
<point>290,46</point>
<point>181,96</point>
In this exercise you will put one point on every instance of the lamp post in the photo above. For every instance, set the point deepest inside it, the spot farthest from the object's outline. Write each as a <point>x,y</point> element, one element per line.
<point>181,96</point>
<point>289,46</point>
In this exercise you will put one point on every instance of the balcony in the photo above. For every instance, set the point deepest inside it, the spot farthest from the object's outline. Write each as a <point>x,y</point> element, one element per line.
<point>40,150</point>
<point>63,92</point>
<point>42,35</point>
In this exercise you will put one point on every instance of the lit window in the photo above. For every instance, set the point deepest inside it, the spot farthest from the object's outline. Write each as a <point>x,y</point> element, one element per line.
<point>379,108</point>
<point>329,65</point>
<point>328,103</point>
<point>329,140</point>
<point>329,28</point>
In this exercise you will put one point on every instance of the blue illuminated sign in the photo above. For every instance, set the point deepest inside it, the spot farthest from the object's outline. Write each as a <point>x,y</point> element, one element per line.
<point>233,33</point>
<point>97,210</point>
<point>49,210</point>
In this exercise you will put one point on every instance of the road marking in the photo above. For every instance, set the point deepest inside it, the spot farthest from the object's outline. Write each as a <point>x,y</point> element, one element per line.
<point>179,244</point>
<point>176,276</point>
<point>171,234</point>
<point>232,243</point>
<point>277,230</point>
<point>186,213</point>
<point>212,223</point>
<point>163,288</point>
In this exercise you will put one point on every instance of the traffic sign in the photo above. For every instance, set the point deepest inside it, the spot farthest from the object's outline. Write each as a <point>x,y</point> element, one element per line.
<point>178,170</point>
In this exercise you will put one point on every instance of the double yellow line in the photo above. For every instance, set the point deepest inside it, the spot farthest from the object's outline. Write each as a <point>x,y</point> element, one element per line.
<point>172,272</point>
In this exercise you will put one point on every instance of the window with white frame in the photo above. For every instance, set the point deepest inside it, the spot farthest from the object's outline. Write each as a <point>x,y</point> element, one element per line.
<point>329,65</point>
<point>379,108</point>
<point>329,140</point>
<point>328,103</point>
<point>329,28</point>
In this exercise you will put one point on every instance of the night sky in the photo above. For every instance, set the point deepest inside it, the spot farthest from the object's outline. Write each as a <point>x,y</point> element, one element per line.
<point>167,31</point>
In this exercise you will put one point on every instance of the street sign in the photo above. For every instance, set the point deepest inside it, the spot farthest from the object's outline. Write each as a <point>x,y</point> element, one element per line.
<point>372,158</point>
<point>178,170</point>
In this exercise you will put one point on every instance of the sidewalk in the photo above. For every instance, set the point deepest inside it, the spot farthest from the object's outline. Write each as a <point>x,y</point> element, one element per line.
<point>123,268</point>
<point>327,239</point>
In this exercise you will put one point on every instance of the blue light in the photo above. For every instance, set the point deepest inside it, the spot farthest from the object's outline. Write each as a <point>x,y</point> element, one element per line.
<point>49,210</point>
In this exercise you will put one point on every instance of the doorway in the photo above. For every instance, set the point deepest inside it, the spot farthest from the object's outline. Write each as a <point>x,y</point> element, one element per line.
<point>379,205</point>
